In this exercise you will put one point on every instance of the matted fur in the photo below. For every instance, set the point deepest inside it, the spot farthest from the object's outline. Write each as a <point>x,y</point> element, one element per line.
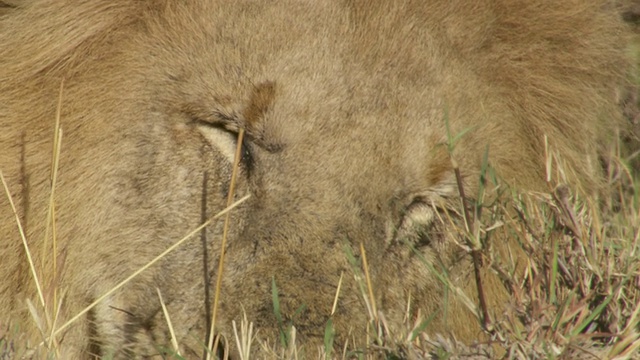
<point>345,104</point>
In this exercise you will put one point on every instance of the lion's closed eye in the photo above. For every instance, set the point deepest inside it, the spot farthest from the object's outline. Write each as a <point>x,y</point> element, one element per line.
<point>225,140</point>
<point>220,138</point>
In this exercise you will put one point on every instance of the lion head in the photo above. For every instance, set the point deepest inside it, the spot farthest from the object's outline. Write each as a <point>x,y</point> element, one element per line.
<point>355,116</point>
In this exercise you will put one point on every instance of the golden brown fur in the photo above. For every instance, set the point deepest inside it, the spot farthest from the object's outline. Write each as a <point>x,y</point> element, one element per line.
<point>345,104</point>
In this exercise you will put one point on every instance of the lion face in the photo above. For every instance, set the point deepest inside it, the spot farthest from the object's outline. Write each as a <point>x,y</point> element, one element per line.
<point>348,113</point>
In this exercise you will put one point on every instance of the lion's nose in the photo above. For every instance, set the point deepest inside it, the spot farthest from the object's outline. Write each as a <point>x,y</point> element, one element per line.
<point>279,290</point>
<point>306,306</point>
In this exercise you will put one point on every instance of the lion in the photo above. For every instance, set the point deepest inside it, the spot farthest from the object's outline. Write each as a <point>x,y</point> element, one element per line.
<point>120,135</point>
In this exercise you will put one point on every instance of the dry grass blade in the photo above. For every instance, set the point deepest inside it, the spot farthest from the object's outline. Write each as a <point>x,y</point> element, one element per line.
<point>335,299</point>
<point>36,318</point>
<point>292,351</point>
<point>50,223</point>
<point>232,185</point>
<point>174,341</point>
<point>368,279</point>
<point>245,338</point>
<point>24,243</point>
<point>216,343</point>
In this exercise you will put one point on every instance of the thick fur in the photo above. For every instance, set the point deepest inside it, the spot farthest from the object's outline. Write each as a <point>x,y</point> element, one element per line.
<point>345,104</point>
